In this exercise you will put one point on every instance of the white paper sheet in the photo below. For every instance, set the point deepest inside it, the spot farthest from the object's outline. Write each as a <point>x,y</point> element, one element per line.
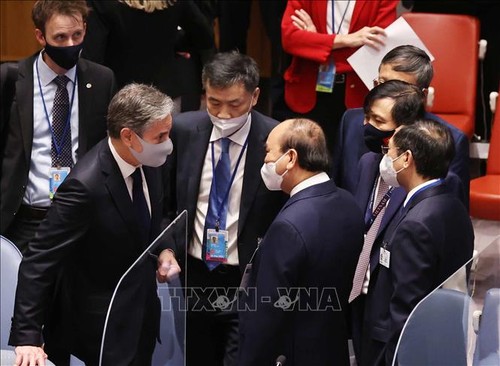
<point>366,60</point>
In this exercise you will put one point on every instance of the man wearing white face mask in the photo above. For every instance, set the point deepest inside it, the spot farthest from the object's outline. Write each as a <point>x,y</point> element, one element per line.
<point>313,244</point>
<point>105,213</point>
<point>427,243</point>
<point>215,176</point>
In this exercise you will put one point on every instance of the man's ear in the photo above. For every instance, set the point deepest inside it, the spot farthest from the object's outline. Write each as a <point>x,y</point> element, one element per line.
<point>126,136</point>
<point>408,159</point>
<point>40,37</point>
<point>293,159</point>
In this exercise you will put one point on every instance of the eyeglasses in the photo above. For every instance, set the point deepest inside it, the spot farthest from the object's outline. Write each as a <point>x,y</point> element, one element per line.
<point>385,149</point>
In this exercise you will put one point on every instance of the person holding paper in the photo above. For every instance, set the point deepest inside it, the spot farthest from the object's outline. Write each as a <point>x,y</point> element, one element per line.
<point>325,32</point>
<point>431,238</point>
<point>104,215</point>
<point>407,63</point>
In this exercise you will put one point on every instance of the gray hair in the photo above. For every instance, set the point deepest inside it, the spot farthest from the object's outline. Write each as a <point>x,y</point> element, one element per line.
<point>226,69</point>
<point>411,60</point>
<point>137,106</point>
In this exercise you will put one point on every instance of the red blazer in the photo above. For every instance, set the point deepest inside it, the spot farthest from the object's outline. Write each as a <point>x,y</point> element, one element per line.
<point>309,50</point>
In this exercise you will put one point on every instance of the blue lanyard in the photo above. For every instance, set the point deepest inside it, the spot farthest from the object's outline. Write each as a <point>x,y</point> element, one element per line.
<point>226,195</point>
<point>437,183</point>
<point>343,16</point>
<point>371,216</point>
<point>57,145</point>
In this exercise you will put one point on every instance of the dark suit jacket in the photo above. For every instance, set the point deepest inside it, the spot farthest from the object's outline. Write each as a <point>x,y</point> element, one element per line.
<point>92,103</point>
<point>90,235</point>
<point>351,146</point>
<point>431,239</point>
<point>313,244</point>
<point>190,135</point>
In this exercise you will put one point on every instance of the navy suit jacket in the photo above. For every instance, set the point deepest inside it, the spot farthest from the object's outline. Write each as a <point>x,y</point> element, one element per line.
<point>351,146</point>
<point>96,86</point>
<point>428,242</point>
<point>313,244</point>
<point>190,135</point>
<point>88,240</point>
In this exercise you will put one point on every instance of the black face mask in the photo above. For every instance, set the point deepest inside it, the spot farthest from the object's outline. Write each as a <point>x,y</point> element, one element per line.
<point>65,57</point>
<point>375,138</point>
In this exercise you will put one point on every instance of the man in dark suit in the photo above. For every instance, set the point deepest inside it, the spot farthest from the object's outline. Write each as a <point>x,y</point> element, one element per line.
<point>387,106</point>
<point>241,209</point>
<point>103,217</point>
<point>36,147</point>
<point>410,64</point>
<point>296,295</point>
<point>427,243</point>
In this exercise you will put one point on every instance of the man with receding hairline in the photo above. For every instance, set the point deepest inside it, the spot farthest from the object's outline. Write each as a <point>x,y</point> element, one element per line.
<point>312,246</point>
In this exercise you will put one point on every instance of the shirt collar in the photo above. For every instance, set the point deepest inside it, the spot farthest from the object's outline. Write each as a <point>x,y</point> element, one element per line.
<point>238,137</point>
<point>125,168</point>
<point>47,75</point>
<point>309,182</point>
<point>416,189</point>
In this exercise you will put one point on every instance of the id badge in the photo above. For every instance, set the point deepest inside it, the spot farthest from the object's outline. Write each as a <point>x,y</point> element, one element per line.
<point>326,77</point>
<point>216,245</point>
<point>385,257</point>
<point>57,176</point>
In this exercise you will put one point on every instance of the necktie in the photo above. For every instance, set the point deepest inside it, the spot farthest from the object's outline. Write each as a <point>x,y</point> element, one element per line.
<point>217,205</point>
<point>140,206</point>
<point>371,235</point>
<point>61,139</point>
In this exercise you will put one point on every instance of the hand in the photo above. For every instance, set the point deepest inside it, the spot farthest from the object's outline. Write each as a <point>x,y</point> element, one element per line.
<point>168,268</point>
<point>370,36</point>
<point>303,21</point>
<point>30,356</point>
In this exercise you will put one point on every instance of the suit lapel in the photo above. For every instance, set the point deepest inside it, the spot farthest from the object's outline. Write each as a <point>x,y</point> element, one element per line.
<point>251,178</point>
<point>24,97</point>
<point>155,198</point>
<point>368,167</point>
<point>85,93</point>
<point>117,188</point>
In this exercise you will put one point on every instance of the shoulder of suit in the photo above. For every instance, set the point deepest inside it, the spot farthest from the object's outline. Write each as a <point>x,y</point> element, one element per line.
<point>94,67</point>
<point>456,132</point>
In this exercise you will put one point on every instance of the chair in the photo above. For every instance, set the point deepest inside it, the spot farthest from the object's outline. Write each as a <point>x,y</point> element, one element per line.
<point>488,341</point>
<point>485,190</point>
<point>453,40</point>
<point>436,331</point>
<point>10,260</point>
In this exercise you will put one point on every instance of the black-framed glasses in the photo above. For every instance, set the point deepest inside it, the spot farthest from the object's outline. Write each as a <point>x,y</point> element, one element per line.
<point>377,82</point>
<point>385,149</point>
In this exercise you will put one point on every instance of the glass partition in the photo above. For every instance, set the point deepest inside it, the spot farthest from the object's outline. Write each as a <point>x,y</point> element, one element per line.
<point>121,323</point>
<point>458,323</point>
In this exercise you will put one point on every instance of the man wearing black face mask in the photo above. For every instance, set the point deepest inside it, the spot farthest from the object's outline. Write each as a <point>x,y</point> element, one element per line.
<point>387,106</point>
<point>57,114</point>
<point>407,63</point>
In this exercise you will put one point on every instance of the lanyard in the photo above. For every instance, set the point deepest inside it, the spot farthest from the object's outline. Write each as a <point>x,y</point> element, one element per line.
<point>371,216</point>
<point>438,182</point>
<point>343,16</point>
<point>219,209</point>
<point>58,145</point>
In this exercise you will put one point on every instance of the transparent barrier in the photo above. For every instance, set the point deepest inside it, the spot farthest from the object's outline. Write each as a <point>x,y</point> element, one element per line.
<point>459,322</point>
<point>121,325</point>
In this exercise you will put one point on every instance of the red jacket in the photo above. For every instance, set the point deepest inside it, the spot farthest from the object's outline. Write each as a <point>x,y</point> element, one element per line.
<point>309,50</point>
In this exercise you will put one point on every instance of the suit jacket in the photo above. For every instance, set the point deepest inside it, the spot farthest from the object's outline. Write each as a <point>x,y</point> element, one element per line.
<point>431,239</point>
<point>309,50</point>
<point>190,134</point>
<point>351,146</point>
<point>88,240</point>
<point>312,245</point>
<point>95,89</point>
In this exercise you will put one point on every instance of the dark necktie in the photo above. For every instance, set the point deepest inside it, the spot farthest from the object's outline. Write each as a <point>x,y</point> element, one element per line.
<point>217,204</point>
<point>141,206</point>
<point>61,139</point>
<point>371,235</point>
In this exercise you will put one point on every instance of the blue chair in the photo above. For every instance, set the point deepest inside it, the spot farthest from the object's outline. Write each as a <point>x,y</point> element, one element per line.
<point>10,260</point>
<point>488,341</point>
<point>436,331</point>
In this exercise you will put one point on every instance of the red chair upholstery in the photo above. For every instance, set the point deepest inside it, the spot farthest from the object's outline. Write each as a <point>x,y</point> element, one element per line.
<point>485,191</point>
<point>453,41</point>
